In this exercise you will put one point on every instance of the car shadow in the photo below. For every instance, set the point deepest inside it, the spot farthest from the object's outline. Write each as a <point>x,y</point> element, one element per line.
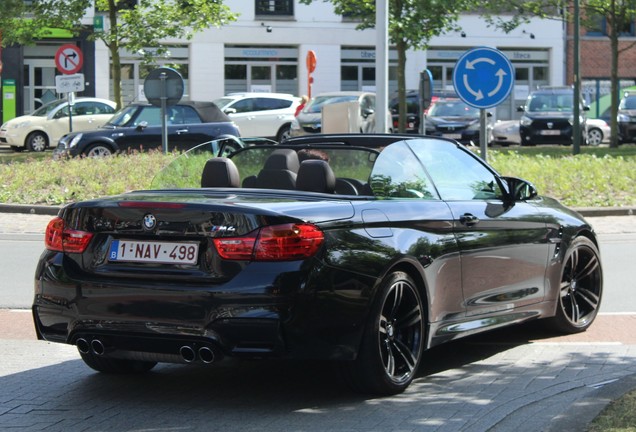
<point>456,380</point>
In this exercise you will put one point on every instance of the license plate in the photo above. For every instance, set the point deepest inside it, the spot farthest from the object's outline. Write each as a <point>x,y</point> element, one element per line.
<point>452,136</point>
<point>154,252</point>
<point>550,132</point>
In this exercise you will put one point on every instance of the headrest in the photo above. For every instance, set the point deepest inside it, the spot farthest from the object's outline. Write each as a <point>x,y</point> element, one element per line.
<point>220,172</point>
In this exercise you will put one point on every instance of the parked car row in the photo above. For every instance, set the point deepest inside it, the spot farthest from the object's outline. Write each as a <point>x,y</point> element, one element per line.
<point>506,132</point>
<point>98,131</point>
<point>46,125</point>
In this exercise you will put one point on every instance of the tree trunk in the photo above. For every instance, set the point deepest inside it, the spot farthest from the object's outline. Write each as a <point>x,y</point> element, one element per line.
<point>614,83</point>
<point>401,81</point>
<point>113,47</point>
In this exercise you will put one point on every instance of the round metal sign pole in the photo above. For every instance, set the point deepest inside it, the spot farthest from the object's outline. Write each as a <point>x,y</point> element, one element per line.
<point>164,87</point>
<point>164,114</point>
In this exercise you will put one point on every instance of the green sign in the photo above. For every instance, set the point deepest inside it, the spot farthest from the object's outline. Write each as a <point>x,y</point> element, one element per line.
<point>98,23</point>
<point>8,100</point>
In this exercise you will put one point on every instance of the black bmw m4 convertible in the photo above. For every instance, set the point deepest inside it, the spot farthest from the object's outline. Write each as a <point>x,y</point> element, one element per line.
<point>365,250</point>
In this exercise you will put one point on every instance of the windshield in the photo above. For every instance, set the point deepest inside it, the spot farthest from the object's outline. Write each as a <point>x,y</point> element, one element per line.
<point>222,102</point>
<point>44,110</point>
<point>123,116</point>
<point>316,104</point>
<point>452,109</point>
<point>628,103</point>
<point>551,102</point>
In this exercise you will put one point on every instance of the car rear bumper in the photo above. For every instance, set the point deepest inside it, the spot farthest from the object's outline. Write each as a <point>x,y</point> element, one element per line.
<point>277,315</point>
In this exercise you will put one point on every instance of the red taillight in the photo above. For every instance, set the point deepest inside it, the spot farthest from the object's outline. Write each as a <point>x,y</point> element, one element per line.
<point>59,239</point>
<point>273,243</point>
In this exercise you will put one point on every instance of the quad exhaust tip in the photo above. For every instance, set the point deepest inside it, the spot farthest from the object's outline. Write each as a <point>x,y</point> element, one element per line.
<point>204,354</point>
<point>95,346</point>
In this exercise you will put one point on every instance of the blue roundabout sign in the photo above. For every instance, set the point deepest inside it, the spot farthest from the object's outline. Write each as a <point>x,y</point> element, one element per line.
<point>483,77</point>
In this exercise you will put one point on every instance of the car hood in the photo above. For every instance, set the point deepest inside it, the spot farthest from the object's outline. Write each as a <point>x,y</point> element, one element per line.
<point>631,112</point>
<point>550,114</point>
<point>309,118</point>
<point>24,119</point>
<point>452,121</point>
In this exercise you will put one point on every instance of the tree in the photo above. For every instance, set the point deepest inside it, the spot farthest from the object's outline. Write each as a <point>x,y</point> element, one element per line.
<point>150,21</point>
<point>412,24</point>
<point>608,17</point>
<point>134,25</point>
<point>21,23</point>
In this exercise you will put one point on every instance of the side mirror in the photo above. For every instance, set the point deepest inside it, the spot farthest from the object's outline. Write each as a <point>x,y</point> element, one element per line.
<point>520,190</point>
<point>367,112</point>
<point>230,111</point>
<point>141,126</point>
<point>520,109</point>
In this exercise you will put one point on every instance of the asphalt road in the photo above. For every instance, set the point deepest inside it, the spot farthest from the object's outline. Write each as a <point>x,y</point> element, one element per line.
<point>516,379</point>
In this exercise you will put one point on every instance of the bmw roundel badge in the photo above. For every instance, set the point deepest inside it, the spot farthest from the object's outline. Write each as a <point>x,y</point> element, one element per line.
<point>149,222</point>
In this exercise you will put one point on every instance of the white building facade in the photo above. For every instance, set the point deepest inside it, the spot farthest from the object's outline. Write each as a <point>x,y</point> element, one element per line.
<point>266,50</point>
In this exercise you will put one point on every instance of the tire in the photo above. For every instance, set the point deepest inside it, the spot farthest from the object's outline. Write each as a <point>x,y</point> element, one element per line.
<point>580,289</point>
<point>284,133</point>
<point>98,150</point>
<point>37,142</point>
<point>116,366</point>
<point>393,341</point>
<point>594,137</point>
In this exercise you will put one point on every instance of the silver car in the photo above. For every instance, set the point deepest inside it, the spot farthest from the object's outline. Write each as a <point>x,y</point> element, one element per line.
<point>309,120</point>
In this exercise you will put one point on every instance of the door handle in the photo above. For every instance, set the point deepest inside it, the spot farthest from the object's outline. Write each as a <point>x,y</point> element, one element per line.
<point>182,131</point>
<point>468,219</point>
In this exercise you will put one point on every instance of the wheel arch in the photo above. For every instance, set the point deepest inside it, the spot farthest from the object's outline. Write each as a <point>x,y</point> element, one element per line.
<point>411,266</point>
<point>282,128</point>
<point>39,130</point>
<point>101,141</point>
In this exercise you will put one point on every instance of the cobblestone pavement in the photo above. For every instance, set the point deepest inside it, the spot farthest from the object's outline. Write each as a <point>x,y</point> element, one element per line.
<point>518,379</point>
<point>526,381</point>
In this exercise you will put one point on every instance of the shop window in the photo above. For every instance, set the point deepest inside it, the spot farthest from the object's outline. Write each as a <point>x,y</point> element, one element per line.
<point>275,7</point>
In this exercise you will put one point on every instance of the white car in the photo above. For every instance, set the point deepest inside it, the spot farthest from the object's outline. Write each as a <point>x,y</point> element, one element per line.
<point>262,115</point>
<point>46,125</point>
<point>598,131</point>
<point>309,120</point>
<point>506,132</point>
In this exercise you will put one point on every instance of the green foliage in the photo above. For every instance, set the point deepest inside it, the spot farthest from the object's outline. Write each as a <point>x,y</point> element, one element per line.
<point>582,181</point>
<point>154,20</point>
<point>23,23</point>
<point>599,177</point>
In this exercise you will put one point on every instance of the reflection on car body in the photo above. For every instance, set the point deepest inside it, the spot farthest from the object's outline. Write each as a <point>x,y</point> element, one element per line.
<point>361,249</point>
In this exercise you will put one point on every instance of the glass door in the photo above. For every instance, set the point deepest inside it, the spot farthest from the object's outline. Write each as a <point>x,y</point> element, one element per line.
<point>39,83</point>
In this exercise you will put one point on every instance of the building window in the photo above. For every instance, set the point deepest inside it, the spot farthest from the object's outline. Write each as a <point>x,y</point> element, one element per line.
<point>275,7</point>
<point>601,28</point>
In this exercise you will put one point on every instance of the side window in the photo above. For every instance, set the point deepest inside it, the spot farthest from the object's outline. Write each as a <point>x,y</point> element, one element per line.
<point>182,114</point>
<point>102,108</point>
<point>263,104</point>
<point>83,108</point>
<point>245,105</point>
<point>458,176</point>
<point>150,115</point>
<point>398,173</point>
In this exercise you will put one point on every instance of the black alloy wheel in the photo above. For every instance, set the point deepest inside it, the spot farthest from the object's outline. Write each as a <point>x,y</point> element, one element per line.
<point>393,343</point>
<point>581,287</point>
